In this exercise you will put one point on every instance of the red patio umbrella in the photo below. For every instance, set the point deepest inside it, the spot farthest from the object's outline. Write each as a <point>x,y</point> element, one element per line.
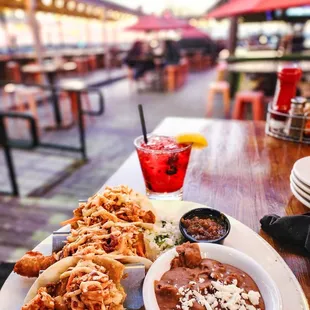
<point>191,32</point>
<point>239,7</point>
<point>177,23</point>
<point>154,23</point>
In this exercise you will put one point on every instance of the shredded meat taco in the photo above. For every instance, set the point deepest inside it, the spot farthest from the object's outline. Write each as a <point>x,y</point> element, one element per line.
<point>119,203</point>
<point>108,238</point>
<point>76,284</point>
<point>116,239</point>
<point>109,223</point>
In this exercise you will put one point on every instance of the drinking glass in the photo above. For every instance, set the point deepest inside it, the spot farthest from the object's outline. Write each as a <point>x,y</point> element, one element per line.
<point>163,162</point>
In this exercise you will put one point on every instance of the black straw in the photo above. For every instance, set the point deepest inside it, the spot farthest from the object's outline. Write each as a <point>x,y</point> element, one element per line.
<point>142,120</point>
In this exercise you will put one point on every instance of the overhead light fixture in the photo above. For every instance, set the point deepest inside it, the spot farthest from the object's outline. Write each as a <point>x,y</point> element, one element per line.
<point>80,7</point>
<point>71,5</point>
<point>97,11</point>
<point>59,4</point>
<point>89,9</point>
<point>20,14</point>
<point>47,2</point>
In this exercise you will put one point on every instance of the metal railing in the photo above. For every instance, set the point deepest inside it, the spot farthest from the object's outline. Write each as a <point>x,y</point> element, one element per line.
<point>35,142</point>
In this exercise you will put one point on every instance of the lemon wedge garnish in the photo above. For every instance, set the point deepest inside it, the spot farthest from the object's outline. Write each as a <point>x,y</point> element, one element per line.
<point>197,139</point>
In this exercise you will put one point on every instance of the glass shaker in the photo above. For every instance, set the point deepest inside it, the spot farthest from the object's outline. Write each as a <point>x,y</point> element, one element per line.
<point>295,122</point>
<point>307,115</point>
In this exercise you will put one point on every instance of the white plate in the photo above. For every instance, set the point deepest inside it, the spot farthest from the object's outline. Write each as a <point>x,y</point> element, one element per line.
<point>241,238</point>
<point>299,197</point>
<point>302,170</point>
<point>303,186</point>
<point>224,254</point>
<point>301,192</point>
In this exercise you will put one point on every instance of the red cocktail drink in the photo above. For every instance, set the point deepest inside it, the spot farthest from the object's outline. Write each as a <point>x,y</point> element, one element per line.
<point>163,162</point>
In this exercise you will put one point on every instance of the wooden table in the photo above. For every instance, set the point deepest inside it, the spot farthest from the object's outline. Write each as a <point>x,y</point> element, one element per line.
<point>51,70</point>
<point>243,173</point>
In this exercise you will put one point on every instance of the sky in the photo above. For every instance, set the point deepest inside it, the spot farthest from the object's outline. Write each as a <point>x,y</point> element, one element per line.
<point>188,7</point>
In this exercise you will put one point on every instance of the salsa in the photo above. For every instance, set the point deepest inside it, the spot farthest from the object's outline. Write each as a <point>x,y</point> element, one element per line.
<point>204,228</point>
<point>196,283</point>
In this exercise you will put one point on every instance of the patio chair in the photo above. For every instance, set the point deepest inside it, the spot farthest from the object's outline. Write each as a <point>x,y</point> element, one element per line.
<point>219,86</point>
<point>256,99</point>
<point>25,99</point>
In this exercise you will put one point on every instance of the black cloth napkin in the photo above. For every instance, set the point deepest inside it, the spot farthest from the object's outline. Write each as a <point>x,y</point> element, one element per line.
<point>289,230</point>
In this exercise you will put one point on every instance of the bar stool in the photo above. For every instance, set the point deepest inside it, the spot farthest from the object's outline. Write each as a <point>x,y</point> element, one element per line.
<point>256,98</point>
<point>223,88</point>
<point>13,72</point>
<point>171,81</point>
<point>81,65</point>
<point>70,88</point>
<point>92,62</point>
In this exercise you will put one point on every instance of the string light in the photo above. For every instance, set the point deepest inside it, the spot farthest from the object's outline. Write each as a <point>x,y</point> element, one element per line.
<point>71,5</point>
<point>89,9</point>
<point>47,2</point>
<point>20,14</point>
<point>59,4</point>
<point>80,7</point>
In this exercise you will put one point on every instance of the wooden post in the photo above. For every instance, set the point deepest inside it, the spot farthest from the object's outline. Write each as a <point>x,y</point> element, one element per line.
<point>107,59</point>
<point>5,29</point>
<point>233,32</point>
<point>30,8</point>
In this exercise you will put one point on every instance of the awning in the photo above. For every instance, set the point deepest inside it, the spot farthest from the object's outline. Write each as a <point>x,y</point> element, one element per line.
<point>191,32</point>
<point>82,8</point>
<point>240,7</point>
<point>155,23</point>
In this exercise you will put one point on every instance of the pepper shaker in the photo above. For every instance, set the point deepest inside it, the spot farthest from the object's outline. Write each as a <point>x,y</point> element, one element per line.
<point>307,115</point>
<point>295,122</point>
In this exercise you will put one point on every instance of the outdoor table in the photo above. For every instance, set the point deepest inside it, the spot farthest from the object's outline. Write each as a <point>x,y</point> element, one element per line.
<point>264,66</point>
<point>51,70</point>
<point>243,172</point>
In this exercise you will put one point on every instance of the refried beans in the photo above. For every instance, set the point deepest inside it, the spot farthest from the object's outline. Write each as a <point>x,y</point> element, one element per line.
<point>196,283</point>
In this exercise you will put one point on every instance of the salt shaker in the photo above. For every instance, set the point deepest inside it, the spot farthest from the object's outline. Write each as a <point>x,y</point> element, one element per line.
<point>295,122</point>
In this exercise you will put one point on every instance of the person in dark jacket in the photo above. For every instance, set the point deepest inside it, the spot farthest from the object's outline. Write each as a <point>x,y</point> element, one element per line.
<point>134,53</point>
<point>172,54</point>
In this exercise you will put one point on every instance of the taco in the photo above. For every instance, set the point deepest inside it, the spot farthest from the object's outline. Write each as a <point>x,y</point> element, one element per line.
<point>78,283</point>
<point>119,203</point>
<point>108,238</point>
<point>117,239</point>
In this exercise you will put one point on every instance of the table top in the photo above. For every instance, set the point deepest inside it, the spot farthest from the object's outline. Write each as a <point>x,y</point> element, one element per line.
<point>49,67</point>
<point>243,172</point>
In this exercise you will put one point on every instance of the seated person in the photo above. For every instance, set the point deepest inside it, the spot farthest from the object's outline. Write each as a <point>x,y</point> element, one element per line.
<point>172,53</point>
<point>134,54</point>
<point>145,62</point>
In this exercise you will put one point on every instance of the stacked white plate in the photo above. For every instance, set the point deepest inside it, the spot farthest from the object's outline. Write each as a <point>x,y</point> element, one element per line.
<point>300,180</point>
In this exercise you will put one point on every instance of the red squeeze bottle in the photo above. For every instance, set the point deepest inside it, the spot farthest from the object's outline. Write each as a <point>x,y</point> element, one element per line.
<point>288,77</point>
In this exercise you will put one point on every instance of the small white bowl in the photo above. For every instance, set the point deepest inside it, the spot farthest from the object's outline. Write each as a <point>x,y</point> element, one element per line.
<point>223,254</point>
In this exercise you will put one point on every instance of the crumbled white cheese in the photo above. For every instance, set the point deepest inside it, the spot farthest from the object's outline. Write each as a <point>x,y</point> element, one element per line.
<point>229,297</point>
<point>254,297</point>
<point>201,280</point>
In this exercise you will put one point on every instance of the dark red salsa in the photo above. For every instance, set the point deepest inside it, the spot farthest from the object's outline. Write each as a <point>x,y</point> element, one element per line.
<point>204,228</point>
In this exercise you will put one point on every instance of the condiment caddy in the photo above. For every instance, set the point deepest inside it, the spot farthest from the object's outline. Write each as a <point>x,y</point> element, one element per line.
<point>292,126</point>
<point>288,117</point>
